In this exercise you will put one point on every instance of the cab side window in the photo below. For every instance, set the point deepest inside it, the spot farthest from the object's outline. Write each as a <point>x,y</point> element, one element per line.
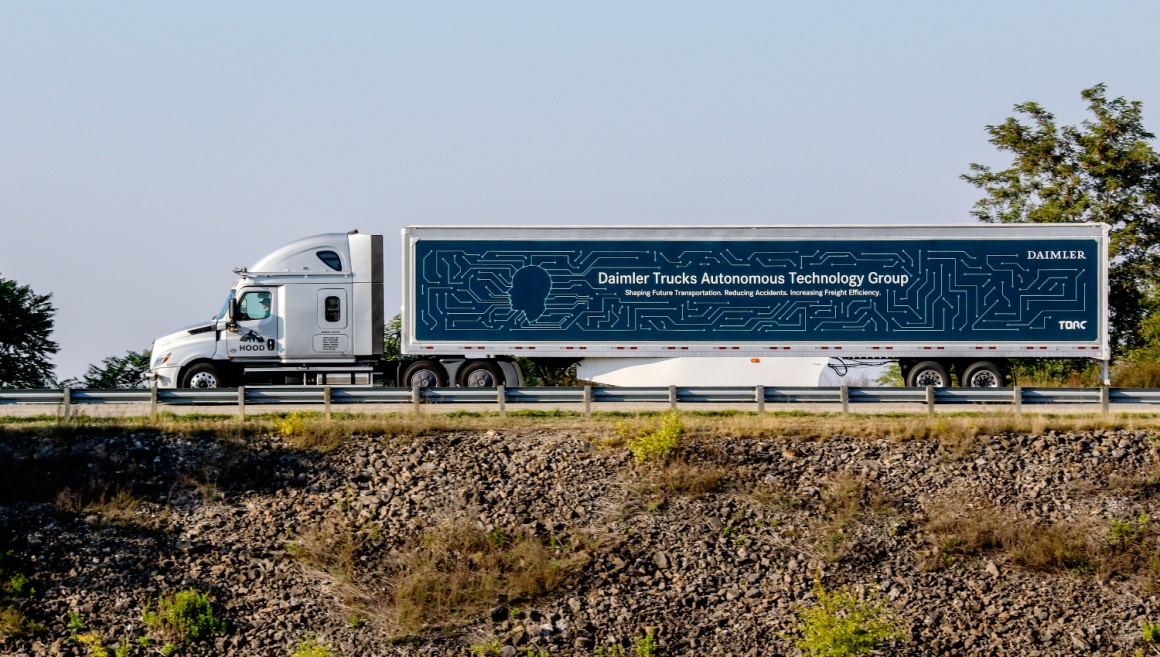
<point>254,305</point>
<point>331,259</point>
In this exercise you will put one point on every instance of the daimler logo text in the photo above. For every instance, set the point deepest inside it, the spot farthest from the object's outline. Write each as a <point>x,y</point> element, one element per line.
<point>1056,255</point>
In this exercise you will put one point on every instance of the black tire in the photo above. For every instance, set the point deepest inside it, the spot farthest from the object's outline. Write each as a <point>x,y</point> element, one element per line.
<point>928,373</point>
<point>202,375</point>
<point>425,374</point>
<point>481,374</point>
<point>983,374</point>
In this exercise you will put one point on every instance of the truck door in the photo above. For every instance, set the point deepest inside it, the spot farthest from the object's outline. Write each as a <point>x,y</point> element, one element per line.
<point>333,336</point>
<point>257,334</point>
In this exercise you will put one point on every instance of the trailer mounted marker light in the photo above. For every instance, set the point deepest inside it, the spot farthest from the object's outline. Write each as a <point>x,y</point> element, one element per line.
<point>755,360</point>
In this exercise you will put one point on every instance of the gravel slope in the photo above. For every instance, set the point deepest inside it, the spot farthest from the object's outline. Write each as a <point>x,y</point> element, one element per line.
<point>715,574</point>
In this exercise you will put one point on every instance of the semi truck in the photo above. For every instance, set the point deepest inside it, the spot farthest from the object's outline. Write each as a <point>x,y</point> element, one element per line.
<point>655,305</point>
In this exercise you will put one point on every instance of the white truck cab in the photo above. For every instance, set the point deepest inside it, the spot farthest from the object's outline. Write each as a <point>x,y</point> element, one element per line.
<point>310,312</point>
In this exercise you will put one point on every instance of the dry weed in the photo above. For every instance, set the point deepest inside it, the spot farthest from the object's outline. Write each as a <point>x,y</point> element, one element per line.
<point>120,508</point>
<point>1125,549</point>
<point>676,478</point>
<point>335,546</point>
<point>681,477</point>
<point>846,498</point>
<point>458,571</point>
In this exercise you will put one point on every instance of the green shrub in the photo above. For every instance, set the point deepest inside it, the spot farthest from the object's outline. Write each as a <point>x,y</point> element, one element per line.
<point>94,643</point>
<point>842,623</point>
<point>1128,533</point>
<point>1054,373</point>
<point>296,423</point>
<point>1136,374</point>
<point>310,647</point>
<point>646,646</point>
<point>13,622</point>
<point>1151,632</point>
<point>659,443</point>
<point>182,617</point>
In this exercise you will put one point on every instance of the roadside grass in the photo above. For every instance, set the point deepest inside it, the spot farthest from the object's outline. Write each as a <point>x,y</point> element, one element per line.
<point>310,430</point>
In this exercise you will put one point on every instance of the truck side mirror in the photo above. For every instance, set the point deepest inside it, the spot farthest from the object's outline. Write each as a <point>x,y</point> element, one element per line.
<point>233,315</point>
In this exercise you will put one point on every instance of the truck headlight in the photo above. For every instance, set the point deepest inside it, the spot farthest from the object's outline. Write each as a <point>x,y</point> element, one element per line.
<point>161,361</point>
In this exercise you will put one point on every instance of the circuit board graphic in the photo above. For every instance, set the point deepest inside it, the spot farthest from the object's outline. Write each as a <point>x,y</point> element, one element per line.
<point>766,291</point>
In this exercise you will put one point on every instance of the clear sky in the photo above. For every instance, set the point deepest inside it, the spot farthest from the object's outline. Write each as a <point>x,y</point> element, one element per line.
<point>147,149</point>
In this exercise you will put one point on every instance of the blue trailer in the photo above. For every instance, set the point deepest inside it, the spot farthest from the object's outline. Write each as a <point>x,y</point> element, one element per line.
<point>939,299</point>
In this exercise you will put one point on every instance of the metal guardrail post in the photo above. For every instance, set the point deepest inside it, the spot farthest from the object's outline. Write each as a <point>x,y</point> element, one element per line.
<point>1017,392</point>
<point>153,402</point>
<point>66,402</point>
<point>673,397</point>
<point>416,398</point>
<point>760,395</point>
<point>326,401</point>
<point>844,392</point>
<point>1104,399</point>
<point>241,403</point>
<point>930,401</point>
<point>587,401</point>
<point>501,399</point>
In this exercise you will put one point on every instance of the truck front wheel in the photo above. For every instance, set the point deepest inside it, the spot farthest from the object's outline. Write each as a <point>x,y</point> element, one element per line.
<point>928,373</point>
<point>202,375</point>
<point>425,374</point>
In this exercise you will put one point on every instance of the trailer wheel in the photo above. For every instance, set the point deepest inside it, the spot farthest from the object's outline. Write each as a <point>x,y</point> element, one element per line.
<point>983,374</point>
<point>202,375</point>
<point>425,374</point>
<point>928,373</point>
<point>480,374</point>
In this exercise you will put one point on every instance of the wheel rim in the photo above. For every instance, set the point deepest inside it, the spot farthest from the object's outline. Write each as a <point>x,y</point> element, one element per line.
<point>480,378</point>
<point>424,379</point>
<point>984,379</point>
<point>929,378</point>
<point>203,380</point>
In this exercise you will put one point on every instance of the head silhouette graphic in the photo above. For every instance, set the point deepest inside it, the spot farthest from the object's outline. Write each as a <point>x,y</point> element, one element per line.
<point>530,288</point>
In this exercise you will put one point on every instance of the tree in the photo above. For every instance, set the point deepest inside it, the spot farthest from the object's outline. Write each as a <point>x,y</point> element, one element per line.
<point>126,371</point>
<point>26,321</point>
<point>1101,170</point>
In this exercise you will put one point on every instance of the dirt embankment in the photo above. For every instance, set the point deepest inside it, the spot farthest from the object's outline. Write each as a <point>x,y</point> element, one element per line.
<point>547,538</point>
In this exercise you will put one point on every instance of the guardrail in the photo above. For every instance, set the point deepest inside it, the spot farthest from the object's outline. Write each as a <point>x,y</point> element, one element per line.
<point>587,395</point>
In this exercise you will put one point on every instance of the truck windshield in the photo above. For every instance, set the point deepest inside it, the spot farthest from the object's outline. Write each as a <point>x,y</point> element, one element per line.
<point>226,305</point>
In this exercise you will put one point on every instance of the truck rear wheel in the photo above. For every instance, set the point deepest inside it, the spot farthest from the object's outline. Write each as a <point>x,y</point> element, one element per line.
<point>425,374</point>
<point>928,373</point>
<point>480,374</point>
<point>983,374</point>
<point>202,375</point>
